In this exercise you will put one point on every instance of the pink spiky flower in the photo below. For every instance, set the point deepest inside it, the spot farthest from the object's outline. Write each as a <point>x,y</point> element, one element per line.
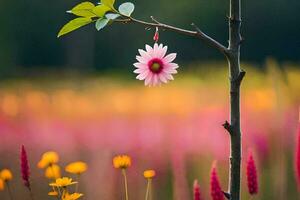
<point>25,167</point>
<point>154,66</point>
<point>215,187</point>
<point>297,159</point>
<point>251,175</point>
<point>197,193</point>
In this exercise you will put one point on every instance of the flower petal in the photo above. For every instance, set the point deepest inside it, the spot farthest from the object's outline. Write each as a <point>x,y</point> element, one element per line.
<point>169,58</point>
<point>155,48</point>
<point>142,59</point>
<point>170,71</point>
<point>140,70</point>
<point>171,66</point>
<point>140,65</point>
<point>162,78</point>
<point>149,79</point>
<point>155,81</point>
<point>144,54</point>
<point>163,52</point>
<point>149,49</point>
<point>142,75</point>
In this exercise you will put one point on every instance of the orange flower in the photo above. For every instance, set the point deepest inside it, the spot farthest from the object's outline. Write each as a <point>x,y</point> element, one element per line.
<point>122,162</point>
<point>149,174</point>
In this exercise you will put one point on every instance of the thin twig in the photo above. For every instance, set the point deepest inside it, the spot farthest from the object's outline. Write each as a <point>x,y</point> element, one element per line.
<point>197,34</point>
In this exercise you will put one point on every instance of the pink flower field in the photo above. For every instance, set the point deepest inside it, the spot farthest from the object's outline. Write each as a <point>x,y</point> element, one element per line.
<point>175,129</point>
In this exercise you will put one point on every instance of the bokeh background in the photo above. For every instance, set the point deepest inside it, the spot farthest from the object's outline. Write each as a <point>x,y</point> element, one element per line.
<point>78,96</point>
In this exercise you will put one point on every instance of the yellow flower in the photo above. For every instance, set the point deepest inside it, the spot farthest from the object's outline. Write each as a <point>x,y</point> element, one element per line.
<point>73,196</point>
<point>122,161</point>
<point>52,172</point>
<point>52,193</point>
<point>149,173</point>
<point>76,167</point>
<point>1,185</point>
<point>6,175</point>
<point>63,182</point>
<point>48,158</point>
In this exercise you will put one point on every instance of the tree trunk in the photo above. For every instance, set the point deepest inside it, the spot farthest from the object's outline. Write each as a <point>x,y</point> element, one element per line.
<point>236,77</point>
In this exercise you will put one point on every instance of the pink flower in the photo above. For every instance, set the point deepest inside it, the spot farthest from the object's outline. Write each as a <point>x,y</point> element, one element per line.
<point>24,167</point>
<point>154,66</point>
<point>215,187</point>
<point>197,193</point>
<point>298,158</point>
<point>251,175</point>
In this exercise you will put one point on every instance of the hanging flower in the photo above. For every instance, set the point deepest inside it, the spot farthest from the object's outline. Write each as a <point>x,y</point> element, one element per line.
<point>154,66</point>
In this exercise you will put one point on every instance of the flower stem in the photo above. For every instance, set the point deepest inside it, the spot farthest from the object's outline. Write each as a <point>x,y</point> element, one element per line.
<point>148,190</point>
<point>125,183</point>
<point>9,191</point>
<point>77,185</point>
<point>31,194</point>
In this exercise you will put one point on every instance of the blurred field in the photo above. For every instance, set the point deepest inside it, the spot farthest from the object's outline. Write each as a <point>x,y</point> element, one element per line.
<point>175,129</point>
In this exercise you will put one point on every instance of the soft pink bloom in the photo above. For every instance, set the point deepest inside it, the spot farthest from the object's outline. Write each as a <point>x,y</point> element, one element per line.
<point>197,193</point>
<point>297,161</point>
<point>251,175</point>
<point>154,66</point>
<point>24,167</point>
<point>215,187</point>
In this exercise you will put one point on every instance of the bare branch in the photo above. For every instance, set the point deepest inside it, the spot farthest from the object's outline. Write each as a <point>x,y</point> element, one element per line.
<point>210,40</point>
<point>197,34</point>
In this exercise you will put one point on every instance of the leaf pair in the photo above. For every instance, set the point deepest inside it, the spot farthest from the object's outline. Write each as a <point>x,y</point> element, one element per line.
<point>105,12</point>
<point>125,9</point>
<point>86,11</point>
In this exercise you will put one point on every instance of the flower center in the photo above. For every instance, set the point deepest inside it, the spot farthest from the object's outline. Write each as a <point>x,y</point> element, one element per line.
<point>155,65</point>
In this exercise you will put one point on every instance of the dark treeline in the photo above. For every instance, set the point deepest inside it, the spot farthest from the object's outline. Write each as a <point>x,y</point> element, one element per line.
<point>29,27</point>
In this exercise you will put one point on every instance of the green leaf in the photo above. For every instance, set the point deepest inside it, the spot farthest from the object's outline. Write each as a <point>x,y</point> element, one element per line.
<point>101,23</point>
<point>126,9</point>
<point>84,9</point>
<point>101,10</point>
<point>73,25</point>
<point>112,16</point>
<point>109,3</point>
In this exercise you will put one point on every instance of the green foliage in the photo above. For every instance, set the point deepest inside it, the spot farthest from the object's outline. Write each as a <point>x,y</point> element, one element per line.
<point>74,24</point>
<point>103,14</point>
<point>84,9</point>
<point>126,9</point>
<point>109,3</point>
<point>101,10</point>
